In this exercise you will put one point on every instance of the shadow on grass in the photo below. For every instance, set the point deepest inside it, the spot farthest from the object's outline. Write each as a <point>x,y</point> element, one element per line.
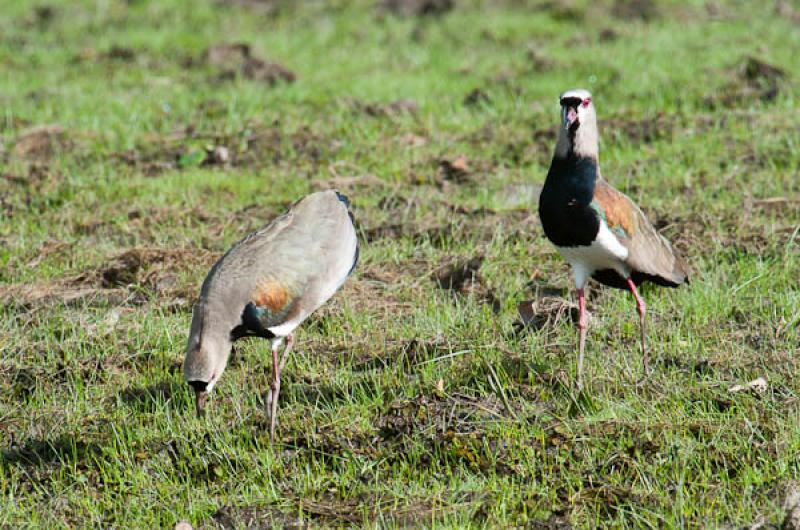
<point>152,397</point>
<point>64,449</point>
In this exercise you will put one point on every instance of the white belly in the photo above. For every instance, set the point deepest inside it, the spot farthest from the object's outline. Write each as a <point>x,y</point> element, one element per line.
<point>605,252</point>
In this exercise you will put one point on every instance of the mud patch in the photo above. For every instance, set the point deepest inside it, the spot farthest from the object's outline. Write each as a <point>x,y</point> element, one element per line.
<point>753,80</point>
<point>253,517</point>
<point>455,169</point>
<point>477,97</point>
<point>400,107</point>
<point>130,277</point>
<point>644,131</point>
<point>41,142</point>
<point>416,8</point>
<point>627,10</point>
<point>463,277</point>
<point>234,60</point>
<point>545,312</point>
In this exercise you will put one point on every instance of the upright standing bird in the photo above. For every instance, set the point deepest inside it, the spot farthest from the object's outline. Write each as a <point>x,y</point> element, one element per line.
<point>266,285</point>
<point>599,231</point>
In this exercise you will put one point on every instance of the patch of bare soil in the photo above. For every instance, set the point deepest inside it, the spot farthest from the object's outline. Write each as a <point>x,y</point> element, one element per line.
<point>253,517</point>
<point>644,131</point>
<point>563,10</point>
<point>452,223</point>
<point>627,10</point>
<point>129,277</point>
<point>455,169</point>
<point>269,8</point>
<point>327,509</point>
<point>462,277</point>
<point>237,60</point>
<point>41,142</point>
<point>391,109</point>
<point>537,59</point>
<point>256,145</point>
<point>753,79</point>
<point>416,8</point>
<point>547,311</point>
<point>786,9</point>
<point>477,97</point>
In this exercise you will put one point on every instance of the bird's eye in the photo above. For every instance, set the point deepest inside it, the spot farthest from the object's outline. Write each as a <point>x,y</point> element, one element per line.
<point>586,102</point>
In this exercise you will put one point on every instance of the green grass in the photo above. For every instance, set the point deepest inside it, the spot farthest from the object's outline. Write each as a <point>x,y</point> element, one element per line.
<point>404,403</point>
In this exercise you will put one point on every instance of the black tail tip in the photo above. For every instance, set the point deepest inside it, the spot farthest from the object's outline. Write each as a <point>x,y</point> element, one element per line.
<point>343,198</point>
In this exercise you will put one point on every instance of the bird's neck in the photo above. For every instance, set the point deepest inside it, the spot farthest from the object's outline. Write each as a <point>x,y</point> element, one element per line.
<point>580,142</point>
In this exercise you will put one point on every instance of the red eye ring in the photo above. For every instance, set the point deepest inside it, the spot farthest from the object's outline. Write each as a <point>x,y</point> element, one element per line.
<point>586,102</point>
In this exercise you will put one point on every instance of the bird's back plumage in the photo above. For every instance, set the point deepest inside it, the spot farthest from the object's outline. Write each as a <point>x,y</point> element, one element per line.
<point>650,256</point>
<point>277,276</point>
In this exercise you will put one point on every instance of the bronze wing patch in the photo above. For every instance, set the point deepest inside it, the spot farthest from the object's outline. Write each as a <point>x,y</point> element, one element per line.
<point>272,295</point>
<point>615,208</point>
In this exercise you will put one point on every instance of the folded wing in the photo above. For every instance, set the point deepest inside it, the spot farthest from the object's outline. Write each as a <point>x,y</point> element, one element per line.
<point>650,256</point>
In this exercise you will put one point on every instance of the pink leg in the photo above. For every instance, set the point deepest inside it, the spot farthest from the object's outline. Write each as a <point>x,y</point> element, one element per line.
<point>275,390</point>
<point>287,350</point>
<point>642,311</point>
<point>277,368</point>
<point>582,325</point>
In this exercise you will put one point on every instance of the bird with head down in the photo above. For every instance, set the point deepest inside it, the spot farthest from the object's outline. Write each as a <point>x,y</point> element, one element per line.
<point>599,231</point>
<point>266,285</point>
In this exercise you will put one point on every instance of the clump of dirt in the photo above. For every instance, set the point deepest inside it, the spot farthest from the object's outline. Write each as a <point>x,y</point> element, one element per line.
<point>476,97</point>
<point>608,35</point>
<point>416,8</point>
<point>759,72</point>
<point>41,142</point>
<point>454,169</point>
<point>236,59</point>
<point>269,8</point>
<point>44,14</point>
<point>753,79</point>
<point>462,277</point>
<point>644,10</point>
<point>645,131</point>
<point>128,277</point>
<point>120,53</point>
<point>563,10</point>
<point>256,145</point>
<point>67,290</point>
<point>547,311</point>
<point>391,109</point>
<point>154,269</point>
<point>456,275</point>
<point>537,59</point>
<point>785,9</point>
<point>253,517</point>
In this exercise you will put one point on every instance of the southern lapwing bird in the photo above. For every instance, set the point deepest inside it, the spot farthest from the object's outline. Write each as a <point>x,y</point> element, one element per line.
<point>599,231</point>
<point>266,285</point>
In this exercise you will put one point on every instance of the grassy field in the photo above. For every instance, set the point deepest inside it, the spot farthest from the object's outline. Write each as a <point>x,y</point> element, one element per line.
<point>136,146</point>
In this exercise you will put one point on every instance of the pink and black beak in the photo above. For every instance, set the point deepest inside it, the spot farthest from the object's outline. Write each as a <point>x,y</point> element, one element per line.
<point>200,396</point>
<point>570,117</point>
<point>569,112</point>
